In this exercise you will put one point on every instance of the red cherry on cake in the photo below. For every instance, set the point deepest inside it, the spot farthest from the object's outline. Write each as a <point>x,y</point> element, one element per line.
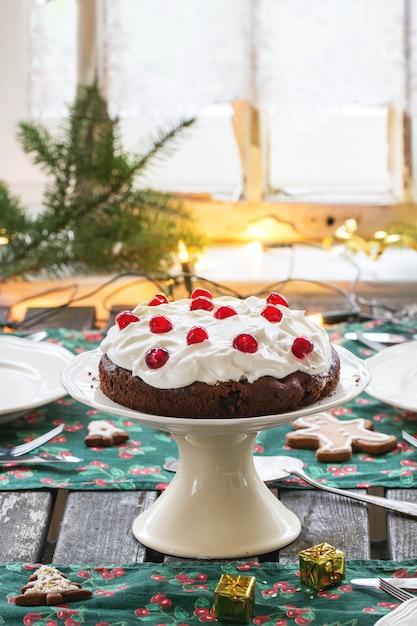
<point>159,298</point>
<point>156,358</point>
<point>272,313</point>
<point>196,334</point>
<point>224,311</point>
<point>199,291</point>
<point>276,298</point>
<point>301,347</point>
<point>245,343</point>
<point>124,318</point>
<point>160,324</point>
<point>201,303</point>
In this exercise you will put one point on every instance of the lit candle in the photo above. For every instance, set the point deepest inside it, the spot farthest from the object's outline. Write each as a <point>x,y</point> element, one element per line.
<point>184,259</point>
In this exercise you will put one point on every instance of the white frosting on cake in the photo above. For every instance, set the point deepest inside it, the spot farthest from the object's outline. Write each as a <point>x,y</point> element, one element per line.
<point>216,359</point>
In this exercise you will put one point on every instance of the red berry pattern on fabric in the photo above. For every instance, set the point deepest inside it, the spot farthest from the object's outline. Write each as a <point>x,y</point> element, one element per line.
<point>199,291</point>
<point>272,313</point>
<point>156,358</point>
<point>159,298</point>
<point>201,303</point>
<point>276,298</point>
<point>224,311</point>
<point>160,324</point>
<point>124,318</point>
<point>245,343</point>
<point>302,347</point>
<point>196,334</point>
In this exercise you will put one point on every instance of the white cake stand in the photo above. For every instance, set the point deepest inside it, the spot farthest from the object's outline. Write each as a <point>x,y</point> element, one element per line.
<point>217,506</point>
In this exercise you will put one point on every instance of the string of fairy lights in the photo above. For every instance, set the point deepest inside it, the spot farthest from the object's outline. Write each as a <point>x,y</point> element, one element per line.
<point>187,281</point>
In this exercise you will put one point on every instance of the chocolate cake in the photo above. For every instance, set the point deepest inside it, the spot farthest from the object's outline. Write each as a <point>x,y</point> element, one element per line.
<point>221,357</point>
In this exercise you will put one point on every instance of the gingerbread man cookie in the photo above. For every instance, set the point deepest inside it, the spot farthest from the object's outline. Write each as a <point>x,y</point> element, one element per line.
<point>50,586</point>
<point>104,434</point>
<point>335,440</point>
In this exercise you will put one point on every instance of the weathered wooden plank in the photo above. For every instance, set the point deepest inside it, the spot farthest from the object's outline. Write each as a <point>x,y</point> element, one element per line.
<point>401,529</point>
<point>327,517</point>
<point>76,317</point>
<point>24,522</point>
<point>97,527</point>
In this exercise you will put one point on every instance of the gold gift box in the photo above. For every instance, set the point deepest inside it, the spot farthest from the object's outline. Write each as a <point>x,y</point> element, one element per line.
<point>234,598</point>
<point>322,566</point>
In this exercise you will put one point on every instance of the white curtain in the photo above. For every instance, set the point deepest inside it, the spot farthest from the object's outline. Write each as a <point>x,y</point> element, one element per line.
<point>315,57</point>
<point>52,57</point>
<point>302,59</point>
<point>161,60</point>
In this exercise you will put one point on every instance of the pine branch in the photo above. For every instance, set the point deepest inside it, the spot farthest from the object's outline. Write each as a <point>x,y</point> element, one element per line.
<point>95,216</point>
<point>37,139</point>
<point>163,143</point>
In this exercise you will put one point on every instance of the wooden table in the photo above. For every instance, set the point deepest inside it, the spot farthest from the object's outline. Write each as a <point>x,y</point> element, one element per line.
<point>95,527</point>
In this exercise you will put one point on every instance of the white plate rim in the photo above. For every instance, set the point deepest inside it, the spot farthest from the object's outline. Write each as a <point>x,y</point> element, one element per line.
<point>60,356</point>
<point>80,379</point>
<point>406,611</point>
<point>378,366</point>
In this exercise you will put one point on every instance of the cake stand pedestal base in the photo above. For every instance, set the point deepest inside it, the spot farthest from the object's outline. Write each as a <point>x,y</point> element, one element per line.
<point>216,506</point>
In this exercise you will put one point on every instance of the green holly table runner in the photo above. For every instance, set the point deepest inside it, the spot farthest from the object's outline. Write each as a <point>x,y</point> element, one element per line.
<point>182,594</point>
<point>138,464</point>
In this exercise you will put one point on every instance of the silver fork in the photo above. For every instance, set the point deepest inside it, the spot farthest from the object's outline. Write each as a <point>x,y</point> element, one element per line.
<point>24,448</point>
<point>396,592</point>
<point>409,438</point>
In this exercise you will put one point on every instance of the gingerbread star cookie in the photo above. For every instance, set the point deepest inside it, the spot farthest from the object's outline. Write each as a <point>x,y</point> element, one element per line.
<point>48,586</point>
<point>335,440</point>
<point>104,434</point>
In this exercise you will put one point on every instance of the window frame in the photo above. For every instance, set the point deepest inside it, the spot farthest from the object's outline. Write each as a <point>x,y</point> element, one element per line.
<point>224,220</point>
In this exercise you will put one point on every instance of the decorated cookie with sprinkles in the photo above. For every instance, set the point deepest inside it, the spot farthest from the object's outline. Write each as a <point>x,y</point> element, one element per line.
<point>49,586</point>
<point>335,440</point>
<point>104,434</point>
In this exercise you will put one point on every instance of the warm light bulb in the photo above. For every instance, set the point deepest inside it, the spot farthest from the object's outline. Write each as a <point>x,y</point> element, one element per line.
<point>317,318</point>
<point>380,234</point>
<point>392,238</point>
<point>4,239</point>
<point>343,233</point>
<point>351,225</point>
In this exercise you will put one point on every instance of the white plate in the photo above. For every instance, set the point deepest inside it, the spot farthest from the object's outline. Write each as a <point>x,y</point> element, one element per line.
<point>404,615</point>
<point>30,374</point>
<point>394,376</point>
<point>80,379</point>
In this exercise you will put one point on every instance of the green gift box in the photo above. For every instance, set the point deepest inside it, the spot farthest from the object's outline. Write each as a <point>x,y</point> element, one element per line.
<point>322,566</point>
<point>234,598</point>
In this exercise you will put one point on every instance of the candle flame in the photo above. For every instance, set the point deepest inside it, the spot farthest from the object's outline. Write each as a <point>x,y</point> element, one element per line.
<point>183,254</point>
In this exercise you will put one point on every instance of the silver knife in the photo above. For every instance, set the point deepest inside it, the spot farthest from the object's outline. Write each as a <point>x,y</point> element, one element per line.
<point>403,583</point>
<point>391,338</point>
<point>32,459</point>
